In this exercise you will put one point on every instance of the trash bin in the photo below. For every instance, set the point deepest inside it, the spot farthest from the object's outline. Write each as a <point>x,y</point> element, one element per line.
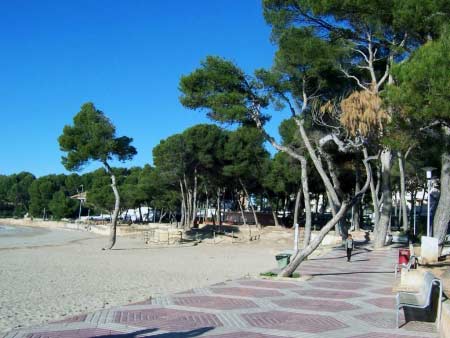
<point>403,256</point>
<point>283,259</point>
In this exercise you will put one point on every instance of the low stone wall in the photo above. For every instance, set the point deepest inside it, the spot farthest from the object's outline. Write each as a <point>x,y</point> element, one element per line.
<point>444,327</point>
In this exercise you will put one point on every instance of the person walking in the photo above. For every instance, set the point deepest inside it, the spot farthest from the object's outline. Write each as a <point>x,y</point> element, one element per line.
<point>349,245</point>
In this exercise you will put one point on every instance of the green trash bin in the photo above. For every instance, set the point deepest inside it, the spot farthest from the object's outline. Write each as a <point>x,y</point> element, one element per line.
<point>283,259</point>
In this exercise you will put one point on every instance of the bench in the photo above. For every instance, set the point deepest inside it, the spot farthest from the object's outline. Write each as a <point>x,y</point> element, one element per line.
<point>412,263</point>
<point>422,299</point>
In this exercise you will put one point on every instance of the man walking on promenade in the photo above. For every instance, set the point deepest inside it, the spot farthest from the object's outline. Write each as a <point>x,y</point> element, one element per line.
<point>349,245</point>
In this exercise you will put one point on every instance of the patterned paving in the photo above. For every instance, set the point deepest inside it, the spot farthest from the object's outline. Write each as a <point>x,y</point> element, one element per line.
<point>219,303</point>
<point>293,321</point>
<point>340,300</point>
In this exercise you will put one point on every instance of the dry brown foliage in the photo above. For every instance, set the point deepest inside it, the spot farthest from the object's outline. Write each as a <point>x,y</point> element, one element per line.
<point>363,114</point>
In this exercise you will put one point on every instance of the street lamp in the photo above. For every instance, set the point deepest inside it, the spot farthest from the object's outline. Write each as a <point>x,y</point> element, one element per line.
<point>429,171</point>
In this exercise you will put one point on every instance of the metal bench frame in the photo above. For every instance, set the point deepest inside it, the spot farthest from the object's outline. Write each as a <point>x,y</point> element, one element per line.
<point>422,299</point>
<point>411,263</point>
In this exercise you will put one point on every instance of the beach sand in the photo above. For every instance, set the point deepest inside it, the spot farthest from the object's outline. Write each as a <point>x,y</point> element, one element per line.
<point>55,273</point>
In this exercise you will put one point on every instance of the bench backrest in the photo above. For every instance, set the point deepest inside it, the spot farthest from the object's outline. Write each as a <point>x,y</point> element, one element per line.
<point>426,288</point>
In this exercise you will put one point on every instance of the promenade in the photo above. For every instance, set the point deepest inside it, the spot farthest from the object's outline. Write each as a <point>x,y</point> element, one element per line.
<point>340,300</point>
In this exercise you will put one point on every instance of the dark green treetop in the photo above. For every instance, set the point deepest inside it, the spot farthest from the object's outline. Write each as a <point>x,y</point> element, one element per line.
<point>93,137</point>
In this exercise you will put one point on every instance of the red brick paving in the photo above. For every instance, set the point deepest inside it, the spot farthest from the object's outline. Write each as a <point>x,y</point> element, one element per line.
<point>328,294</point>
<point>340,285</point>
<point>219,303</point>
<point>167,319</point>
<point>289,321</point>
<point>316,304</point>
<point>82,333</point>
<point>241,334</point>
<point>247,292</point>
<point>270,284</point>
<point>382,302</point>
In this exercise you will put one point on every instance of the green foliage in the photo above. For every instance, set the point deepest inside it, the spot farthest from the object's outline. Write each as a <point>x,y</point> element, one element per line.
<point>423,83</point>
<point>221,88</point>
<point>92,137</point>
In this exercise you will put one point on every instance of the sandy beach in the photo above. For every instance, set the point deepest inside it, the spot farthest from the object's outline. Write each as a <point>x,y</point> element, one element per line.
<point>51,273</point>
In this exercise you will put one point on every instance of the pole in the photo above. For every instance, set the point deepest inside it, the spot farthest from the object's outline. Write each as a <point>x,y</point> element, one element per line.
<point>296,238</point>
<point>414,208</point>
<point>428,210</point>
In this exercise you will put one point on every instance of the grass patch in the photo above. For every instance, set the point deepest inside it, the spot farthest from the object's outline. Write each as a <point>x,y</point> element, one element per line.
<point>273,274</point>
<point>268,274</point>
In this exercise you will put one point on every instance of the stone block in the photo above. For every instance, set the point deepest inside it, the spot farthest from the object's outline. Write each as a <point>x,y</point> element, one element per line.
<point>429,250</point>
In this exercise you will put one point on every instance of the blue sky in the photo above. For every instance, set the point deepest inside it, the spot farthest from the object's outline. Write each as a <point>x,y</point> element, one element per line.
<point>125,56</point>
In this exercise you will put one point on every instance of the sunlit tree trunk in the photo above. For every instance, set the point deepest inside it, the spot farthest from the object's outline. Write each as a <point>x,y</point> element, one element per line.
<point>113,230</point>
<point>305,187</point>
<point>442,215</point>
<point>401,164</point>
<point>382,226</point>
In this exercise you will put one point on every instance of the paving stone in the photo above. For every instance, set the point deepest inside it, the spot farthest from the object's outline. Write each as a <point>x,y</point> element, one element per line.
<point>270,284</point>
<point>247,292</point>
<point>316,304</point>
<point>328,294</point>
<point>340,286</point>
<point>241,334</point>
<point>219,303</point>
<point>82,333</point>
<point>280,320</point>
<point>382,302</point>
<point>167,319</point>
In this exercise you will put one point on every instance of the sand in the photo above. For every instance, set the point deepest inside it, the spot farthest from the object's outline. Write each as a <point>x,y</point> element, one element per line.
<point>51,274</point>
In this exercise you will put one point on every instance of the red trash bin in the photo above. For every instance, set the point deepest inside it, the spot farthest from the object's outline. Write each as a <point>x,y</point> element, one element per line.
<point>403,256</point>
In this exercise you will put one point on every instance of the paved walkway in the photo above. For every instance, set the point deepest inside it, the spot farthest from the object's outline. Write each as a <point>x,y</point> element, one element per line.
<point>341,300</point>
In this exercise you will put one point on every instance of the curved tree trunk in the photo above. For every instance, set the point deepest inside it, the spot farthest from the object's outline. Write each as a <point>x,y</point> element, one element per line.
<point>113,230</point>
<point>382,226</point>
<point>345,206</point>
<point>401,165</point>
<point>442,215</point>
<point>318,165</point>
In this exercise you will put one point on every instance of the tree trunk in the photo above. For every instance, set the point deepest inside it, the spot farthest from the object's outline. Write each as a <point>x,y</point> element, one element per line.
<point>374,195</point>
<point>113,230</point>
<point>218,210</point>
<point>194,199</point>
<point>305,252</point>
<point>242,210</point>
<point>401,164</point>
<point>275,218</point>
<point>250,203</point>
<point>382,226</point>
<point>318,165</point>
<point>345,206</point>
<point>356,208</point>
<point>140,213</point>
<point>183,206</point>
<point>442,214</point>
<point>297,206</point>
<point>305,187</point>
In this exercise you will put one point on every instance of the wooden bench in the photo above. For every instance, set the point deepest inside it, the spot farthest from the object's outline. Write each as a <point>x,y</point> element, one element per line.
<point>422,299</point>
<point>412,263</point>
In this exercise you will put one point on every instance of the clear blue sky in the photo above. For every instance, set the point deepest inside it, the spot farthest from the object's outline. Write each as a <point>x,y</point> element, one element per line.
<point>125,56</point>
